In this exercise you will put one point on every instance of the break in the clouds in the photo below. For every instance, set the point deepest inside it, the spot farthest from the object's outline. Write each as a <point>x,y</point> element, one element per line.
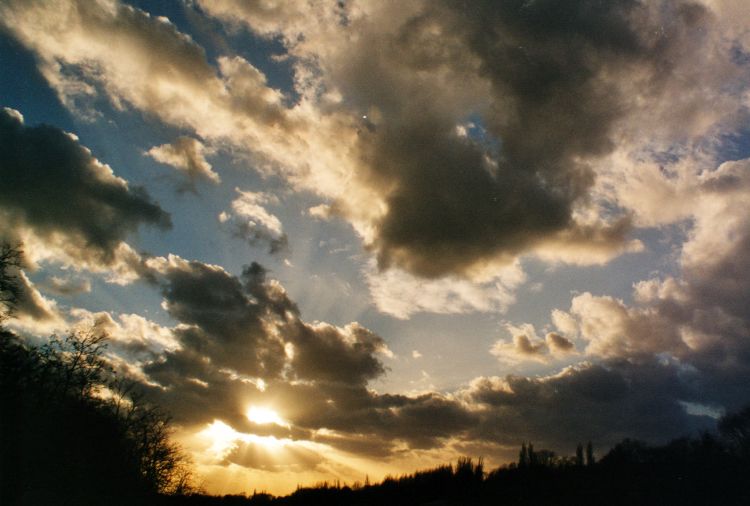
<point>63,203</point>
<point>187,155</point>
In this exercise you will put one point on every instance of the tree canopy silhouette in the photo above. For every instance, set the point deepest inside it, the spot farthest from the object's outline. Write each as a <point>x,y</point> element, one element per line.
<point>71,432</point>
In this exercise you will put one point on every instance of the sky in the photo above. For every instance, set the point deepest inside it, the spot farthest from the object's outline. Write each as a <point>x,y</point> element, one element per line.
<point>339,239</point>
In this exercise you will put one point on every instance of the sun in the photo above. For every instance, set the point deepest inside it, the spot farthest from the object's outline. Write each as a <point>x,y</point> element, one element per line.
<point>264,416</point>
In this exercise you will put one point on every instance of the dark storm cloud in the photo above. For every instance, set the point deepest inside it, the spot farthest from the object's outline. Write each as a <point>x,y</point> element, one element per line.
<point>226,319</point>
<point>604,403</point>
<point>54,186</point>
<point>322,354</point>
<point>556,73</point>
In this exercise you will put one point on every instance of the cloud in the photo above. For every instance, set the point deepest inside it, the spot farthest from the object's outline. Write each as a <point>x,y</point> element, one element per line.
<point>34,313</point>
<point>601,402</point>
<point>223,317</point>
<point>559,344</point>
<point>548,92</point>
<point>519,349</point>
<point>699,316</point>
<point>454,141</point>
<point>66,286</point>
<point>188,156</point>
<point>130,336</point>
<point>525,345</point>
<point>249,220</point>
<point>447,203</point>
<point>63,203</point>
<point>324,352</point>
<point>401,294</point>
<point>240,339</point>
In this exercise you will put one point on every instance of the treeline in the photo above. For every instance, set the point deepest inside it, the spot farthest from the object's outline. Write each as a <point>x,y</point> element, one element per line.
<point>706,470</point>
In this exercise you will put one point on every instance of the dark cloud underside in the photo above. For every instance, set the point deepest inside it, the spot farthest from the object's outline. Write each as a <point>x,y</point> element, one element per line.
<point>56,187</point>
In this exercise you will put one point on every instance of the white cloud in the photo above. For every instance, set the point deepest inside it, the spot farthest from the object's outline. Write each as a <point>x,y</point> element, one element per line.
<point>401,294</point>
<point>251,221</point>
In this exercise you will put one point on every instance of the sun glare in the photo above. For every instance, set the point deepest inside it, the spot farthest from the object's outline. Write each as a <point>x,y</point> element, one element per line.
<point>222,437</point>
<point>264,416</point>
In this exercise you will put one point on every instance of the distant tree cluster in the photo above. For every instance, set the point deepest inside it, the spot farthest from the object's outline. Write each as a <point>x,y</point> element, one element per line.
<point>70,431</point>
<point>529,457</point>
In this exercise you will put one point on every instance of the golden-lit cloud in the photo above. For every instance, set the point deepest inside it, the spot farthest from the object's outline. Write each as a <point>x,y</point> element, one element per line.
<point>188,156</point>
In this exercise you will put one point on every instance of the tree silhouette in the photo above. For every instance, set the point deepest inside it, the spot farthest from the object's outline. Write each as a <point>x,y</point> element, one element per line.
<point>590,461</point>
<point>523,456</point>
<point>735,429</point>
<point>72,434</point>
<point>10,262</point>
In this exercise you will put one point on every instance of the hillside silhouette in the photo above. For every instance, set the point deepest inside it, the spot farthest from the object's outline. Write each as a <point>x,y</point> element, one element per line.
<point>73,433</point>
